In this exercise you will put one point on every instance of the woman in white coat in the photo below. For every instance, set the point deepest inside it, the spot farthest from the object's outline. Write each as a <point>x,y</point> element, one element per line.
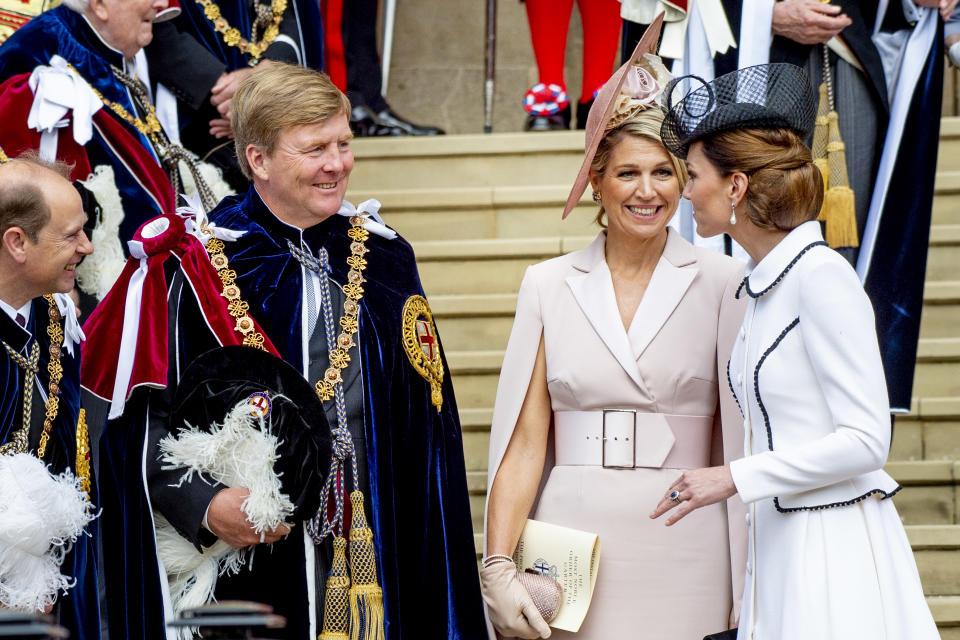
<point>631,323</point>
<point>828,557</point>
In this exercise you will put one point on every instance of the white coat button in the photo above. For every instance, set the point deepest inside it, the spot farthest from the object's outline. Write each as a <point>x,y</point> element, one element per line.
<point>743,333</point>
<point>739,379</point>
<point>747,518</point>
<point>749,567</point>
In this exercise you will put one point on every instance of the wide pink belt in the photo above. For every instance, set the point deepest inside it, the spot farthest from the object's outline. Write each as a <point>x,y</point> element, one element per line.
<point>626,438</point>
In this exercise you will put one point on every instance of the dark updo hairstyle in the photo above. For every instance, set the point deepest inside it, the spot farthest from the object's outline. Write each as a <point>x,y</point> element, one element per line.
<point>785,188</point>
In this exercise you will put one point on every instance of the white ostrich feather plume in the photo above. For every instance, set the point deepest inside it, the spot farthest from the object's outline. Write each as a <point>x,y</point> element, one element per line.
<point>41,516</point>
<point>239,453</point>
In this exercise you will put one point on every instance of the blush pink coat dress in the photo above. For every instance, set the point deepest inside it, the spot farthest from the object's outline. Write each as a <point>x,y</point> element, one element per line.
<point>657,582</point>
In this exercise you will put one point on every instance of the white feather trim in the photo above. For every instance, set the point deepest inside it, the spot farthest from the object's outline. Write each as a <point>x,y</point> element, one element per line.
<point>98,271</point>
<point>212,175</point>
<point>41,516</point>
<point>239,453</point>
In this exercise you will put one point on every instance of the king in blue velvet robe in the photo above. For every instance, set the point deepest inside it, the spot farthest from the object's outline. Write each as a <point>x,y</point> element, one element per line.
<point>78,609</point>
<point>411,453</point>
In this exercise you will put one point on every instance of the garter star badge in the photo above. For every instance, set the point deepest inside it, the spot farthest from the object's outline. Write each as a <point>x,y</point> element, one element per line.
<point>420,343</point>
<point>260,404</point>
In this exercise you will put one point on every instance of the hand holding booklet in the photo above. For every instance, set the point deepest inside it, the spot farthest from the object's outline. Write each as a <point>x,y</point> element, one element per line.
<point>569,555</point>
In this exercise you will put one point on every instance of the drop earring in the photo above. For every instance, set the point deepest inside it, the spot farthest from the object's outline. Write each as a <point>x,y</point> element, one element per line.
<point>597,198</point>
<point>733,212</point>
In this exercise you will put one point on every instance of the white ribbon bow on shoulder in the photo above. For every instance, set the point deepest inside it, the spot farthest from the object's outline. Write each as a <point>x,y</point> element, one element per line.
<point>56,91</point>
<point>368,209</point>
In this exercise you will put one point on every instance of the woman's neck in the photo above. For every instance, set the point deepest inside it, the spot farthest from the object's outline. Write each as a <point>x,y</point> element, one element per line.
<point>755,241</point>
<point>630,257</point>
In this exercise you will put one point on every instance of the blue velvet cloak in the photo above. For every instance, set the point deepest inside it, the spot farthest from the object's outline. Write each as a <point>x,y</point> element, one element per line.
<point>418,504</point>
<point>237,13</point>
<point>66,33</point>
<point>418,493</point>
<point>78,610</point>
<point>898,266</point>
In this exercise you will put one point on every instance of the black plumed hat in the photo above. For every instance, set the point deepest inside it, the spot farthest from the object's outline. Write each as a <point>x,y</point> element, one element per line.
<point>767,96</point>
<point>218,380</point>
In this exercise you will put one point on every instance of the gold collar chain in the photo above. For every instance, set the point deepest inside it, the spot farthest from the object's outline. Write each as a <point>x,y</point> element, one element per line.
<point>19,442</point>
<point>349,323</point>
<point>232,36</point>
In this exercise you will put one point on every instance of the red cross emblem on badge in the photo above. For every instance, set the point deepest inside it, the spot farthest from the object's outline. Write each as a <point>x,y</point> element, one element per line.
<point>428,341</point>
<point>260,405</point>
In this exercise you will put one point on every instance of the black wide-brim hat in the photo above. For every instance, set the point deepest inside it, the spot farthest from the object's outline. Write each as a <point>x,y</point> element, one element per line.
<point>214,383</point>
<point>767,96</point>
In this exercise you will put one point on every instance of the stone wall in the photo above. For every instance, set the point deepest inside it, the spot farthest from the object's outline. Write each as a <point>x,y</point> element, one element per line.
<point>436,74</point>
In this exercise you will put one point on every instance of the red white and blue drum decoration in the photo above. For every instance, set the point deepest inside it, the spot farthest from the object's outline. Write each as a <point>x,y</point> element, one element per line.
<point>545,99</point>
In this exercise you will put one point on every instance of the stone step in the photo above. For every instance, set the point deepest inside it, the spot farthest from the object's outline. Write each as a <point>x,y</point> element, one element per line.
<point>530,210</point>
<point>496,265</point>
<point>948,156</point>
<point>499,159</point>
<point>941,309</point>
<point>943,259</point>
<point>937,373</point>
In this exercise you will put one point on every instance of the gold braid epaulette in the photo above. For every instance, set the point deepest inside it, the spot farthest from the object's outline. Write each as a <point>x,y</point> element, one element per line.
<point>3,156</point>
<point>232,36</point>
<point>83,452</point>
<point>236,306</point>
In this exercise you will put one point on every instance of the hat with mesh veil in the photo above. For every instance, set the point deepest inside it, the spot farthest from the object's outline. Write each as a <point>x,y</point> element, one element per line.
<point>610,99</point>
<point>767,96</point>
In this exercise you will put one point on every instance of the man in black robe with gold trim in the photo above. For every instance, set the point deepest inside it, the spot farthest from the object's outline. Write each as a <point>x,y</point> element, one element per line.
<point>336,294</point>
<point>41,242</point>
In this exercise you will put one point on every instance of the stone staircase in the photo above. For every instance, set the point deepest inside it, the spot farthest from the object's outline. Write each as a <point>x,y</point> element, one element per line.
<point>480,209</point>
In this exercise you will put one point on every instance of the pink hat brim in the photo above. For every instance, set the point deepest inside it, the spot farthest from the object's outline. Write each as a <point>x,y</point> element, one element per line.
<point>602,110</point>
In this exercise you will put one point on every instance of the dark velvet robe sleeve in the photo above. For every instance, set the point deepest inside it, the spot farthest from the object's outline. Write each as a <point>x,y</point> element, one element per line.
<point>282,51</point>
<point>183,65</point>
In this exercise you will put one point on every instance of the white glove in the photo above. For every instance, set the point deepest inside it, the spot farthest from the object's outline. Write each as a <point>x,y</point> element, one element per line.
<point>511,609</point>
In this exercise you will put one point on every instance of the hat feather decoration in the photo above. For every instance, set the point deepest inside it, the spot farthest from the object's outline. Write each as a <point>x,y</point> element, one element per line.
<point>648,82</point>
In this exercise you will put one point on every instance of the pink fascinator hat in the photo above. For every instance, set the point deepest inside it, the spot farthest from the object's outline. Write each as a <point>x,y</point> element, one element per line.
<point>636,85</point>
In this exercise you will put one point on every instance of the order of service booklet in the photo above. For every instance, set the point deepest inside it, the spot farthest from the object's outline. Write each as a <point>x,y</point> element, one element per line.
<point>569,555</point>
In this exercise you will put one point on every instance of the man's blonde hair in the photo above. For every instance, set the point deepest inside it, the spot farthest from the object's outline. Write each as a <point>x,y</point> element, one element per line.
<point>278,96</point>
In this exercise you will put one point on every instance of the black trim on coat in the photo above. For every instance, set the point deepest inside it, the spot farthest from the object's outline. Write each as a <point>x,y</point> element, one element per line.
<point>745,284</point>
<point>766,422</point>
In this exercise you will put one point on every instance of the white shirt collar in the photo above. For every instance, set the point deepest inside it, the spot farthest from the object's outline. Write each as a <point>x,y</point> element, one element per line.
<point>10,311</point>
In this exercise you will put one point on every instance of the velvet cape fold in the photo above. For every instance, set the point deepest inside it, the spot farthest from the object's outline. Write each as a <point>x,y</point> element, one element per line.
<point>78,609</point>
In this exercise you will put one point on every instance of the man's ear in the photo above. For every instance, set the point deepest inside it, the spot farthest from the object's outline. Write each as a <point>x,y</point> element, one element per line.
<point>99,9</point>
<point>15,243</point>
<point>257,160</point>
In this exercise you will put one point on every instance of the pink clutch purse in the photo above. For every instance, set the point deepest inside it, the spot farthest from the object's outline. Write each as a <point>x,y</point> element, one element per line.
<point>546,592</point>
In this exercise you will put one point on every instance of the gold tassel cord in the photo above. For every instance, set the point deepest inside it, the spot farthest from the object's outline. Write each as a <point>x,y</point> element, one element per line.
<point>336,616</point>
<point>366,596</point>
<point>821,136</point>
<point>839,203</point>
<point>839,211</point>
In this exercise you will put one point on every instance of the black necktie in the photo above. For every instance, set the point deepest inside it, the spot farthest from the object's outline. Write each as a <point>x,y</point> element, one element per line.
<point>21,321</point>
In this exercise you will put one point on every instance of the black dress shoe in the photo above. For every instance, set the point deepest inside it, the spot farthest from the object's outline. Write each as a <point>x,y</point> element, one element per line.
<point>389,117</point>
<point>553,122</point>
<point>365,124</point>
<point>583,110</point>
